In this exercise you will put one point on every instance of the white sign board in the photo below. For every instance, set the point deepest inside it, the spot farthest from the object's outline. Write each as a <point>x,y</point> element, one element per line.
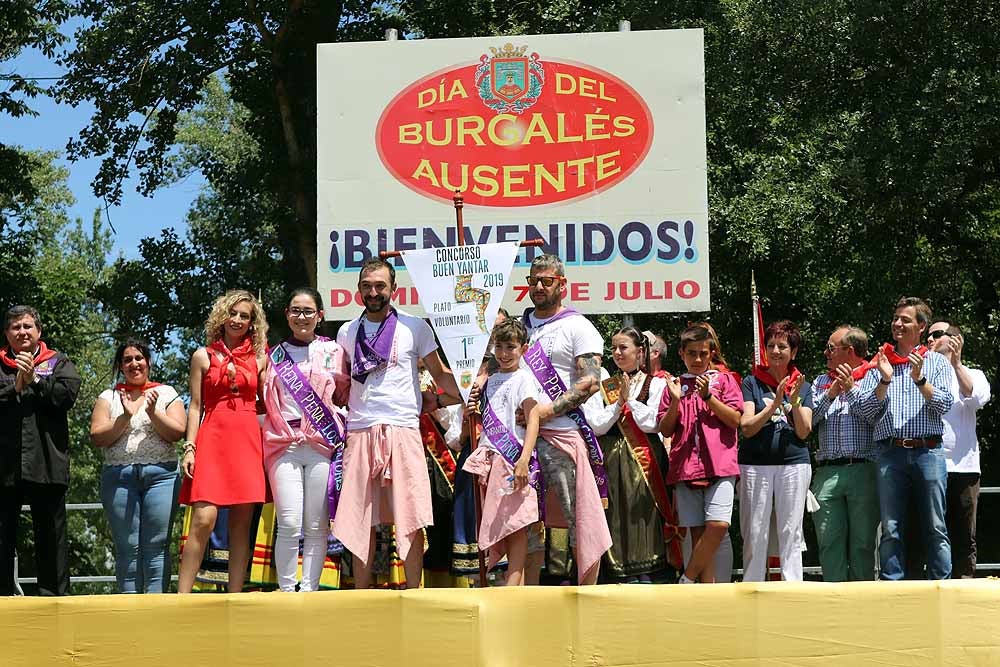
<point>594,143</point>
<point>461,288</point>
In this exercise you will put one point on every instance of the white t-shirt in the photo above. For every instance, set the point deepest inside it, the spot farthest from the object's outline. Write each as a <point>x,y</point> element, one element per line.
<point>505,392</point>
<point>602,417</point>
<point>391,395</point>
<point>140,443</point>
<point>299,354</point>
<point>959,440</point>
<point>563,341</point>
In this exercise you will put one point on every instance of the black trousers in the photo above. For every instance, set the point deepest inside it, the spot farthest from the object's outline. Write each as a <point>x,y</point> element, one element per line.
<point>960,516</point>
<point>48,513</point>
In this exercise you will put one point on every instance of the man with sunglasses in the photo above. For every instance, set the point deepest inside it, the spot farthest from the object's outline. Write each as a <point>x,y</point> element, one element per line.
<point>971,390</point>
<point>907,407</point>
<point>564,356</point>
<point>845,479</point>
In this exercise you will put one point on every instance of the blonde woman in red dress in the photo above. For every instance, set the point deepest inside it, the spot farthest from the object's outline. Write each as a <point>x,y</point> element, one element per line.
<point>223,461</point>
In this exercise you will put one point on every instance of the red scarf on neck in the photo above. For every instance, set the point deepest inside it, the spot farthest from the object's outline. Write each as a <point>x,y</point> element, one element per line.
<point>890,352</point>
<point>761,374</point>
<point>9,359</point>
<point>857,373</point>
<point>242,357</point>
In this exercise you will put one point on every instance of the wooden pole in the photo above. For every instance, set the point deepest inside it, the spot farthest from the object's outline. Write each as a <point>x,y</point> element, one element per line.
<point>459,223</point>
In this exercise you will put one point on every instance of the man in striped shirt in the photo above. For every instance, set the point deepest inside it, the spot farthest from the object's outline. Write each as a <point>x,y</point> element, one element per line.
<point>845,479</point>
<point>912,395</point>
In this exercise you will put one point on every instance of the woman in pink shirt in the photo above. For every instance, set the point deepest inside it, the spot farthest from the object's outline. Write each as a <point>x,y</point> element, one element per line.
<point>700,412</point>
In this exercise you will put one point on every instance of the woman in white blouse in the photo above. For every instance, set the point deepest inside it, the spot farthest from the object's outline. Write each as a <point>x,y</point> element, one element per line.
<point>635,460</point>
<point>137,424</point>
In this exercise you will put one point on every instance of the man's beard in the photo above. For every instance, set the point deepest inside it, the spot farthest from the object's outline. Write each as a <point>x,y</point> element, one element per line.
<point>376,303</point>
<point>545,299</point>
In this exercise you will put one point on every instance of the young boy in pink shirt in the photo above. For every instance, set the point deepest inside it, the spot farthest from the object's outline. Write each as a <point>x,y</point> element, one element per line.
<point>700,412</point>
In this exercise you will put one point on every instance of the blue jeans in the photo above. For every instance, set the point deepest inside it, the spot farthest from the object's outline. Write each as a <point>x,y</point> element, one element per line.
<point>918,476</point>
<point>139,501</point>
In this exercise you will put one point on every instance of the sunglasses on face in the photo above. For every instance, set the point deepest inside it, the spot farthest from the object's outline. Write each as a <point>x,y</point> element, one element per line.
<point>546,281</point>
<point>934,335</point>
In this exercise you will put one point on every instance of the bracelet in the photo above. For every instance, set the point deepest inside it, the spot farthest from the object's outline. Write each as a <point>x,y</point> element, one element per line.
<point>189,447</point>
<point>797,402</point>
<point>886,382</point>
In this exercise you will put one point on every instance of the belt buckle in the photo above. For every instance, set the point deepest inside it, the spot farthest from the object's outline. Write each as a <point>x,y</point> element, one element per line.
<point>906,440</point>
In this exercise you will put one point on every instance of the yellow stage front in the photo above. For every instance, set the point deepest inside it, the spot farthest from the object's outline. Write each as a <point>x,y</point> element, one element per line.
<point>884,624</point>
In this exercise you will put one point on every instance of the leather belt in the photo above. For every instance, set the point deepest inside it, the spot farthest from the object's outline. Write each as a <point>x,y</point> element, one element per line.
<point>842,461</point>
<point>912,443</point>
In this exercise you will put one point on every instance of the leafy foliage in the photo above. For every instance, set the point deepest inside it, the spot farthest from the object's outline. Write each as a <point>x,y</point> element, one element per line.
<point>853,153</point>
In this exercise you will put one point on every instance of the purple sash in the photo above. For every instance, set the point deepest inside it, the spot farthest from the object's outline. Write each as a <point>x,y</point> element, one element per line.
<point>370,355</point>
<point>553,386</point>
<point>335,481</point>
<point>312,407</point>
<point>566,312</point>
<point>505,442</point>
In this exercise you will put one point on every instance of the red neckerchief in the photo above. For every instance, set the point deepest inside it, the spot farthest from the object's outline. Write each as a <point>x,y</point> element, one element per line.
<point>44,353</point>
<point>240,357</point>
<point>761,374</point>
<point>121,386</point>
<point>890,352</point>
<point>857,373</point>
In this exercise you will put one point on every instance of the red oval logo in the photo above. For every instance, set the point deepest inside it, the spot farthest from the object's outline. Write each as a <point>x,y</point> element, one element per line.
<point>514,130</point>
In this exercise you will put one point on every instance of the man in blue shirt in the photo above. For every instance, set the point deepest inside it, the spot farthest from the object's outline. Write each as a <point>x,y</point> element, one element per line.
<point>907,406</point>
<point>844,482</point>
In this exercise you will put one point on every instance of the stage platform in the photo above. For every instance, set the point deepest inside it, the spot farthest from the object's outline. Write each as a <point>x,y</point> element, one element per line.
<point>810,624</point>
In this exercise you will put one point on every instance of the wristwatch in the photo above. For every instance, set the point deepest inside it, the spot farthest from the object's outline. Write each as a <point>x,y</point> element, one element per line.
<point>921,382</point>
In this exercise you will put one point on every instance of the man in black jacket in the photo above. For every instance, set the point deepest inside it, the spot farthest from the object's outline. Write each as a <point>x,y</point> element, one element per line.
<point>38,386</point>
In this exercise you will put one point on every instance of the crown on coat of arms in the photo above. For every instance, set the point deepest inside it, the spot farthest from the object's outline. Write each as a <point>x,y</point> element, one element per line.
<point>509,51</point>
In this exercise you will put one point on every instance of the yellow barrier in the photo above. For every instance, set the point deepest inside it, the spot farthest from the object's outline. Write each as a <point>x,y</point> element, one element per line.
<point>785,624</point>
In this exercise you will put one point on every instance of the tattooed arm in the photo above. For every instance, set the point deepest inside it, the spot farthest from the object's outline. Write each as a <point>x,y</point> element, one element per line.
<point>588,382</point>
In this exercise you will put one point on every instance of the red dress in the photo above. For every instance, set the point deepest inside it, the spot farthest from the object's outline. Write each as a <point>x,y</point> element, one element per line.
<point>229,461</point>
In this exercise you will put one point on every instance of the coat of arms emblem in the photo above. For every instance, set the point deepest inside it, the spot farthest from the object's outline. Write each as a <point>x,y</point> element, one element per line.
<point>510,81</point>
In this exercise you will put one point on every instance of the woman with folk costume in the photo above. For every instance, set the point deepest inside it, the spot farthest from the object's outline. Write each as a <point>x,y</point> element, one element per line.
<point>223,460</point>
<point>634,458</point>
<point>305,388</point>
<point>136,425</point>
<point>773,457</point>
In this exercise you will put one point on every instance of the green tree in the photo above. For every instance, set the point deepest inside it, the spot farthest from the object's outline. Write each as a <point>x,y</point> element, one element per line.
<point>26,24</point>
<point>853,148</point>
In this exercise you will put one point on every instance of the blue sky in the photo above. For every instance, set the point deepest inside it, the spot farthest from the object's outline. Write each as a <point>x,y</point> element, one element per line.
<point>137,216</point>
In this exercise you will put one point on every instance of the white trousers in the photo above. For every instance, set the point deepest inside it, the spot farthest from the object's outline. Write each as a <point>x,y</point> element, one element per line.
<point>298,483</point>
<point>781,489</point>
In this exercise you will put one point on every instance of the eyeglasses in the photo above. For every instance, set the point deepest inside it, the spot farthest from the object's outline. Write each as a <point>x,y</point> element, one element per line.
<point>831,348</point>
<point>301,312</point>
<point>934,335</point>
<point>546,281</point>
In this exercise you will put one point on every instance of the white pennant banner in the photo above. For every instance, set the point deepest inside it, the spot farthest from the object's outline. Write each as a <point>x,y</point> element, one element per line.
<point>461,289</point>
